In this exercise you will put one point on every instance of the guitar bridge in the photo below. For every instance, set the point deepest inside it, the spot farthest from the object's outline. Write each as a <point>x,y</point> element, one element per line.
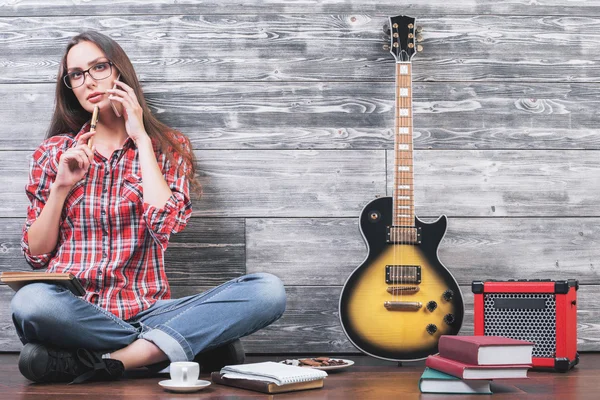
<point>402,289</point>
<point>403,274</point>
<point>403,305</point>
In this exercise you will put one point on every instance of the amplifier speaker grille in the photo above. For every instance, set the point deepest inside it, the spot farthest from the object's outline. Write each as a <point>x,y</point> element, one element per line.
<point>529,317</point>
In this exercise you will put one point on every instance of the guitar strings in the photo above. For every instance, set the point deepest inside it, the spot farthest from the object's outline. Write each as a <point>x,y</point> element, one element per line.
<point>403,234</point>
<point>393,267</point>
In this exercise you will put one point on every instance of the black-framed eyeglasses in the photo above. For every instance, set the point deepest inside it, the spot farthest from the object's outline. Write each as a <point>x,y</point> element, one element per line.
<point>98,71</point>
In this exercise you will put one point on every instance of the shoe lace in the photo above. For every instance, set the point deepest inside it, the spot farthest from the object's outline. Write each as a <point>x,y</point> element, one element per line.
<point>62,365</point>
<point>92,362</point>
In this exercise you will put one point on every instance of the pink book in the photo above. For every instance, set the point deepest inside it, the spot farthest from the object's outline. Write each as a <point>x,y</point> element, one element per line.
<point>468,371</point>
<point>485,350</point>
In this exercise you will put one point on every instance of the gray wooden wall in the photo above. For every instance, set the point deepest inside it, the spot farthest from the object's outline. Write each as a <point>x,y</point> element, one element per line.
<point>290,110</point>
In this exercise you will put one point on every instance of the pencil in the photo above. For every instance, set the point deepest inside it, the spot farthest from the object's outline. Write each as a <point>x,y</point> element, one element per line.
<point>93,125</point>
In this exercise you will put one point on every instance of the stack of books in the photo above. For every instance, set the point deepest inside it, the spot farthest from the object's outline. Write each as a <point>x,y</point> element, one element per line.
<point>467,364</point>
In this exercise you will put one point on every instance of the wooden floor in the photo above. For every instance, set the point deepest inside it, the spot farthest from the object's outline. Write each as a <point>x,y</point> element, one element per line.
<point>367,379</point>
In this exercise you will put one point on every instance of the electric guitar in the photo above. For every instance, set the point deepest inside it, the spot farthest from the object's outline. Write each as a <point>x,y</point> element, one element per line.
<point>399,301</point>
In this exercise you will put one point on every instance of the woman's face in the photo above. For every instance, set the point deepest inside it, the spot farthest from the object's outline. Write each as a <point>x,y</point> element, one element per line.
<point>86,55</point>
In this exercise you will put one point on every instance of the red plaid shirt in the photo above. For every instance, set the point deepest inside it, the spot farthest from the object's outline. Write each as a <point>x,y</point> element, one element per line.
<point>109,238</point>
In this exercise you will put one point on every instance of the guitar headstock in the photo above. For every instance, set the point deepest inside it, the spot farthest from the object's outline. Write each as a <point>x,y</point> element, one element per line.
<point>404,35</point>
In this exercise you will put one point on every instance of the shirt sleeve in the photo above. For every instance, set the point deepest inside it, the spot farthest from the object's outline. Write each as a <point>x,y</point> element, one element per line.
<point>174,215</point>
<point>42,173</point>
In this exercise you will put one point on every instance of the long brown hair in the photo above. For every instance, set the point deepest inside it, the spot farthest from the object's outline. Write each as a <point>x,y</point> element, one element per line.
<point>69,116</point>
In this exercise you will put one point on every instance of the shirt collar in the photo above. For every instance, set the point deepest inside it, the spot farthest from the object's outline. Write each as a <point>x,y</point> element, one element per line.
<point>84,129</point>
<point>129,143</point>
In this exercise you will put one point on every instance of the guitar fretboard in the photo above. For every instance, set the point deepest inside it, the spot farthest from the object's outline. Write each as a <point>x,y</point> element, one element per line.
<point>403,193</point>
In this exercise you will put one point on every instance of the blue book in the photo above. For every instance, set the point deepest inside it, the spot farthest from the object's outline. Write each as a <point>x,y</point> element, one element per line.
<point>434,381</point>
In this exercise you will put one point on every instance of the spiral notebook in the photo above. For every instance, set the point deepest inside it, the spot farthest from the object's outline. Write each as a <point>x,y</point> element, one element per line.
<point>269,371</point>
<point>269,377</point>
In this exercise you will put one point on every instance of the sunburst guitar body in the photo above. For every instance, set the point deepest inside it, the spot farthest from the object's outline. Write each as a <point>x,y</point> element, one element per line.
<point>401,299</point>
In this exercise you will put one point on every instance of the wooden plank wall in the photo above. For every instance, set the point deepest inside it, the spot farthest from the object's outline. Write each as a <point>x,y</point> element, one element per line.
<point>289,106</point>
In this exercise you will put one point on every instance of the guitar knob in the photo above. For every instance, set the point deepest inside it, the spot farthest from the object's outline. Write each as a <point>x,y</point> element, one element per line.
<point>386,47</point>
<point>386,29</point>
<point>448,295</point>
<point>449,319</point>
<point>432,305</point>
<point>431,329</point>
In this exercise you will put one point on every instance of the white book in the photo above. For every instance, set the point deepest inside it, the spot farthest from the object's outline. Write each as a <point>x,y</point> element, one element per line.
<point>269,371</point>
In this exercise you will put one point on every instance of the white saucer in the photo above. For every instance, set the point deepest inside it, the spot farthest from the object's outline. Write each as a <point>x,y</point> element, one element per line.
<point>332,367</point>
<point>326,367</point>
<point>198,385</point>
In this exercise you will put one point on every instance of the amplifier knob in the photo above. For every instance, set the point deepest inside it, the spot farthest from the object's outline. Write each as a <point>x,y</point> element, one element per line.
<point>449,319</point>
<point>448,295</point>
<point>431,329</point>
<point>432,305</point>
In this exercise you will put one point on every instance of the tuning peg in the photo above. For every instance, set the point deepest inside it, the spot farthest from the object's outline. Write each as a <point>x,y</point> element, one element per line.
<point>419,38</point>
<point>419,48</point>
<point>419,29</point>
<point>386,47</point>
<point>386,29</point>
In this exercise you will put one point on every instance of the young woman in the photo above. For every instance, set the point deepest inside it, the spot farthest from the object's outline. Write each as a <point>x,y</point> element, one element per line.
<point>103,206</point>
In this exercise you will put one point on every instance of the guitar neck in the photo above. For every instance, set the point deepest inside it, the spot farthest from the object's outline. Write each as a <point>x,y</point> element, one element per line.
<point>403,191</point>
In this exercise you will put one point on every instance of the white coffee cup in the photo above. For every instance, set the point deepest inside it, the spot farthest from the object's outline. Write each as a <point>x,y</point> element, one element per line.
<point>184,373</point>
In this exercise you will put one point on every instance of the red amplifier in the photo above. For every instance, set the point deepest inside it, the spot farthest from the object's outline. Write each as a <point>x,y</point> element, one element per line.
<point>540,311</point>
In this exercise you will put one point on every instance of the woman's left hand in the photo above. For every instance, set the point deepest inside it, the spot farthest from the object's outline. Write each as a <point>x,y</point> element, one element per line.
<point>132,111</point>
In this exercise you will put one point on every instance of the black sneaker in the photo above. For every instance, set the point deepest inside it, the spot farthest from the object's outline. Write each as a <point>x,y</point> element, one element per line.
<point>215,359</point>
<point>211,360</point>
<point>41,363</point>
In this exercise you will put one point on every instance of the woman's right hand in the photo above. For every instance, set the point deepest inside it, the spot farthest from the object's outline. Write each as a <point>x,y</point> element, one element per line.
<point>75,162</point>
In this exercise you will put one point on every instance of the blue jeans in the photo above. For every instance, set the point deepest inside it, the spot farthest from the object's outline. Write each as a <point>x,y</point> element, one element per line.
<point>181,328</point>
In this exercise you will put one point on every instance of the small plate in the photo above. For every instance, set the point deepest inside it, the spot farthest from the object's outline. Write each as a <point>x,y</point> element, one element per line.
<point>170,385</point>
<point>330,367</point>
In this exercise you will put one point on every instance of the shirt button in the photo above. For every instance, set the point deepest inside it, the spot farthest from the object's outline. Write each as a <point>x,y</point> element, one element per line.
<point>103,212</point>
<point>100,272</point>
<point>104,255</point>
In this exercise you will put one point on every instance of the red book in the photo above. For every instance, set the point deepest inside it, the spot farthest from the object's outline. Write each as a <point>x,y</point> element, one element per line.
<point>468,371</point>
<point>485,350</point>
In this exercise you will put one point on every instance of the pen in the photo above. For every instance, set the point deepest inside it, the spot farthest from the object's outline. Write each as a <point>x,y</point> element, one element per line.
<point>93,125</point>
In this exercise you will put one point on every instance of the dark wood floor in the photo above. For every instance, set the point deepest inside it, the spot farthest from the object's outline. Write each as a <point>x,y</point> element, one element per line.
<point>367,379</point>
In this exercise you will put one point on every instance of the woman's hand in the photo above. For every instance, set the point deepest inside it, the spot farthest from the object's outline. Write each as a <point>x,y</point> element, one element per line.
<point>74,163</point>
<point>132,111</point>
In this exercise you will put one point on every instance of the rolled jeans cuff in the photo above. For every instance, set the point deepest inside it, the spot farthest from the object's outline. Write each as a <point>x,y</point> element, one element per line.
<point>169,341</point>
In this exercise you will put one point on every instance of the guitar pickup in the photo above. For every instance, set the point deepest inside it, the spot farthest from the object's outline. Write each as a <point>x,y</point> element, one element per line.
<point>402,274</point>
<point>403,235</point>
